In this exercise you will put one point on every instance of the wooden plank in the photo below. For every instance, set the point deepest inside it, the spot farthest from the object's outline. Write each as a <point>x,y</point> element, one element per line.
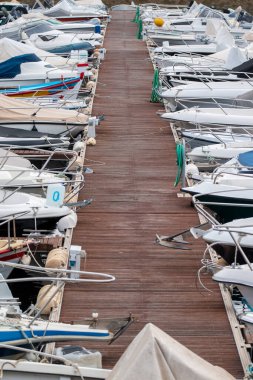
<point>134,170</point>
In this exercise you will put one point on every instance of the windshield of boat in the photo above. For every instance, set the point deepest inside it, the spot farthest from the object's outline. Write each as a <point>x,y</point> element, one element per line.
<point>37,28</point>
<point>210,13</point>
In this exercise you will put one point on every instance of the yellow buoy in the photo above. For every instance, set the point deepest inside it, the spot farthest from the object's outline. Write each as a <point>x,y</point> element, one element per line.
<point>158,21</point>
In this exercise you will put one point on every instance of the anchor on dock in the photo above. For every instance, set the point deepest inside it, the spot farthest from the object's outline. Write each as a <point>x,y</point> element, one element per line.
<point>177,241</point>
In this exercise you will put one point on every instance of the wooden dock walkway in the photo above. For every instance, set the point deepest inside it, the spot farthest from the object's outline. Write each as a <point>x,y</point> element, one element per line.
<point>134,169</point>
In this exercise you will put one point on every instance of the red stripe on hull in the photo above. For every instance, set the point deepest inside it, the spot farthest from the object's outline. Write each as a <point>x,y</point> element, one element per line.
<point>12,255</point>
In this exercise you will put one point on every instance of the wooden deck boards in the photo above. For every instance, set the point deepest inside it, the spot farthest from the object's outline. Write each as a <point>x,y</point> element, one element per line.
<point>132,185</point>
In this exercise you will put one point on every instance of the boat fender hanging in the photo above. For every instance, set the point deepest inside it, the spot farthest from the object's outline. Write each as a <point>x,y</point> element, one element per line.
<point>26,259</point>
<point>91,141</point>
<point>90,85</point>
<point>68,221</point>
<point>57,258</point>
<point>96,54</point>
<point>79,146</point>
<point>191,170</point>
<point>88,98</point>
<point>43,297</point>
<point>88,111</point>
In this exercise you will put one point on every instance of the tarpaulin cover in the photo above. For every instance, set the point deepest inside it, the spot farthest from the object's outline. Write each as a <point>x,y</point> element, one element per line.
<point>246,159</point>
<point>19,110</point>
<point>154,355</point>
<point>10,49</point>
<point>11,67</point>
<point>231,57</point>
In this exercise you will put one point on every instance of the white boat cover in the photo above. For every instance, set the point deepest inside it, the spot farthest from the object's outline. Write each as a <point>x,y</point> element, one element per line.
<point>53,59</point>
<point>224,39</point>
<point>249,49</point>
<point>248,36</point>
<point>97,3</point>
<point>68,7</point>
<point>231,57</point>
<point>62,8</point>
<point>213,25</point>
<point>10,158</point>
<point>19,110</point>
<point>10,48</point>
<point>155,355</point>
<point>32,16</point>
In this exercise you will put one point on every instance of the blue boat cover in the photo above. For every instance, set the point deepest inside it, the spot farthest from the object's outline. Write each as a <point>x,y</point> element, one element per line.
<point>75,46</point>
<point>11,67</point>
<point>246,159</point>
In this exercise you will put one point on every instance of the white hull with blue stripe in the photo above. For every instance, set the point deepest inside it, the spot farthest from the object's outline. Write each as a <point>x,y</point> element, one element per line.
<point>16,331</point>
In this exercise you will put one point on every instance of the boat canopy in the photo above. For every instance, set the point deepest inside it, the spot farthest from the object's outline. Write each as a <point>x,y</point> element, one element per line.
<point>246,159</point>
<point>14,53</point>
<point>18,110</point>
<point>213,25</point>
<point>68,7</point>
<point>232,57</point>
<point>155,355</point>
<point>89,3</point>
<point>10,49</point>
<point>62,8</point>
<point>12,67</point>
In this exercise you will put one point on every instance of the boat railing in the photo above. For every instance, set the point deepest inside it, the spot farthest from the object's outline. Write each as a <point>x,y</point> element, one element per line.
<point>57,102</point>
<point>215,71</point>
<point>236,234</point>
<point>191,68</point>
<point>67,96</point>
<point>219,128</point>
<point>55,274</point>
<point>42,155</point>
<point>215,176</point>
<point>11,218</point>
<point>70,156</point>
<point>194,101</point>
<point>57,277</point>
<point>7,155</point>
<point>214,133</point>
<point>220,103</point>
<point>196,70</point>
<point>28,107</point>
<point>156,6</point>
<point>231,230</point>
<point>73,185</point>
